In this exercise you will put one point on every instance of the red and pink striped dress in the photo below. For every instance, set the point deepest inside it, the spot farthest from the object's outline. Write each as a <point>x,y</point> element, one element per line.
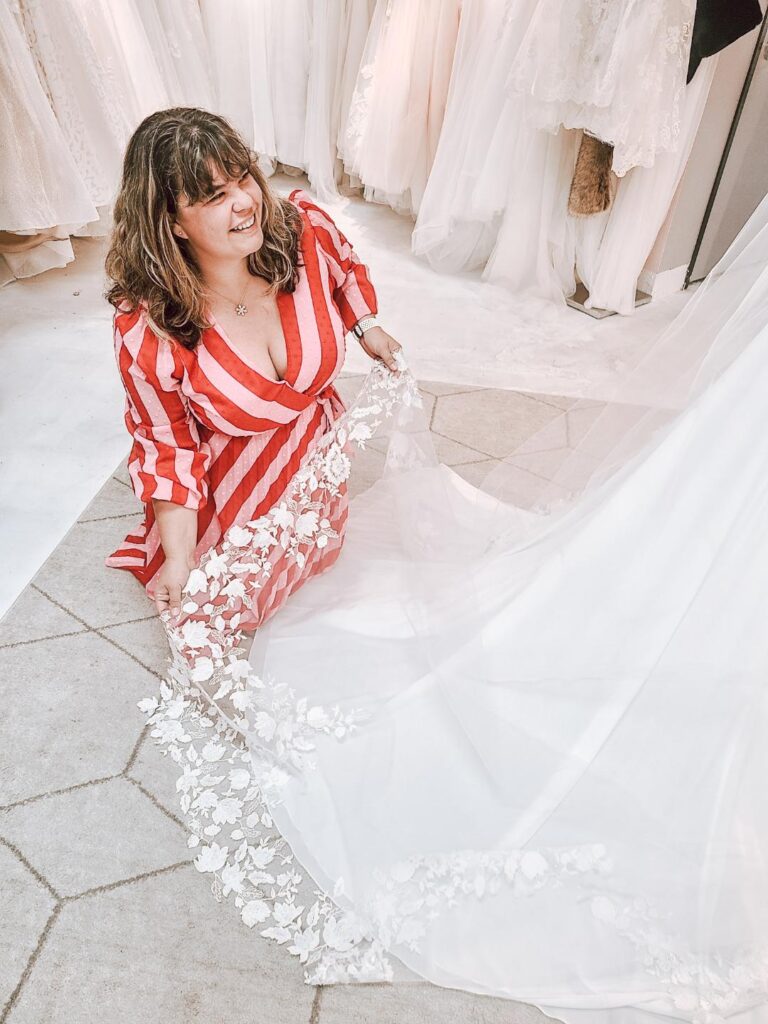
<point>210,432</point>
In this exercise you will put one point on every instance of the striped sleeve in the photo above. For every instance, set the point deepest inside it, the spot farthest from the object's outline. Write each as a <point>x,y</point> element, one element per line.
<point>167,461</point>
<point>354,294</point>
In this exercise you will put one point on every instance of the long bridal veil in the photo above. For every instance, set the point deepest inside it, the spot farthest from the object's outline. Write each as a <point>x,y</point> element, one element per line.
<point>517,746</point>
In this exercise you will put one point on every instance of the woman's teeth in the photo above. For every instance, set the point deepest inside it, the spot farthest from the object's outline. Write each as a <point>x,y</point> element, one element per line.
<point>246,225</point>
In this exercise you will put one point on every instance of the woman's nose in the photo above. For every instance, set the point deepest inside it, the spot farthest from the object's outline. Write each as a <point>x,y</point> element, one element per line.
<point>243,200</point>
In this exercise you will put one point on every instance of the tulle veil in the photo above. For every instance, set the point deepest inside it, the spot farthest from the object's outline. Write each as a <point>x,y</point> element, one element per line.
<point>517,748</point>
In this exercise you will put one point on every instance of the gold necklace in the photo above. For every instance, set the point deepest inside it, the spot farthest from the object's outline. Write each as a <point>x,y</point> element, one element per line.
<point>240,307</point>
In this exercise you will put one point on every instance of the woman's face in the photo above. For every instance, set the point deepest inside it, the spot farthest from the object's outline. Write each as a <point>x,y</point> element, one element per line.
<point>226,224</point>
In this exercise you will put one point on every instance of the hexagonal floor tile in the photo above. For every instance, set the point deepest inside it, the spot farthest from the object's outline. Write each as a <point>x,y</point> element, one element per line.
<point>33,617</point>
<point>160,951</point>
<point>69,713</point>
<point>157,773</point>
<point>27,905</point>
<point>349,387</point>
<point>492,422</point>
<point>76,577</point>
<point>94,836</point>
<point>146,640</point>
<point>113,500</point>
<point>122,474</point>
<point>367,467</point>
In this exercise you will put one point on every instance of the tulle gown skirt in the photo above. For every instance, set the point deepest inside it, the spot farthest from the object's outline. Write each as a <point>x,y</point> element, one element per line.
<point>558,793</point>
<point>520,749</point>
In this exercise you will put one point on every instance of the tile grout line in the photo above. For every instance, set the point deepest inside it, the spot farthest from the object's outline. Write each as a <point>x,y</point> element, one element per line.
<point>433,413</point>
<point>30,963</point>
<point>104,519</point>
<point>136,748</point>
<point>128,653</point>
<point>111,886</point>
<point>30,868</point>
<point>153,799</point>
<point>40,639</point>
<point>314,1014</point>
<point>472,448</point>
<point>88,626</point>
<point>58,792</point>
<point>58,604</point>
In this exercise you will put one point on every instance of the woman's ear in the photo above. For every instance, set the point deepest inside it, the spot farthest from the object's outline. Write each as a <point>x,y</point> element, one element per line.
<point>178,230</point>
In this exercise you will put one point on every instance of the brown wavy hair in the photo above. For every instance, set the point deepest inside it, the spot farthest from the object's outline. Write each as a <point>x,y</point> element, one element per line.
<point>172,153</point>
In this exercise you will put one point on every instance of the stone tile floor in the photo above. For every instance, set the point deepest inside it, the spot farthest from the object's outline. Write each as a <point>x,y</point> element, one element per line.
<point>105,918</point>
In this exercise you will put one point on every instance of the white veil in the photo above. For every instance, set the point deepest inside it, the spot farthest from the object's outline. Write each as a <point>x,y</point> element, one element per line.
<point>521,750</point>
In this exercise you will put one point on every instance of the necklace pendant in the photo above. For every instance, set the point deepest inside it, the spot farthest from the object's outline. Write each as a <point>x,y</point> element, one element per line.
<point>241,309</point>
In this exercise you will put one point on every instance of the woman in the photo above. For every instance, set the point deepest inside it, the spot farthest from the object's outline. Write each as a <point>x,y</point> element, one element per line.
<point>232,306</point>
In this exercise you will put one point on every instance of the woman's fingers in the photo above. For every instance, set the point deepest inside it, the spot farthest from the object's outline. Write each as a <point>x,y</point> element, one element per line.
<point>174,598</point>
<point>394,348</point>
<point>388,356</point>
<point>161,601</point>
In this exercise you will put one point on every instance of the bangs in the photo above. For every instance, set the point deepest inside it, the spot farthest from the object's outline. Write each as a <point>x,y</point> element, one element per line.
<point>202,157</point>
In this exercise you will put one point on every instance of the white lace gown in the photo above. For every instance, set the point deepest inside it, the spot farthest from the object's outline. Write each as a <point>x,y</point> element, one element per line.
<point>617,70</point>
<point>522,751</point>
<point>558,796</point>
<point>83,90</point>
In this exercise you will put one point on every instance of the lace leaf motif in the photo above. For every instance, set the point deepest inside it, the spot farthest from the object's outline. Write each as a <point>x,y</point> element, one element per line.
<point>236,739</point>
<point>212,702</point>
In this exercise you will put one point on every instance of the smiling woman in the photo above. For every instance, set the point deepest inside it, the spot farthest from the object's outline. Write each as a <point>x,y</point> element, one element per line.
<point>232,306</point>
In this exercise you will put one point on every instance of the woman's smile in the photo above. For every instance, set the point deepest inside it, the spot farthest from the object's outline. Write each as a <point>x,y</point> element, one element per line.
<point>246,225</point>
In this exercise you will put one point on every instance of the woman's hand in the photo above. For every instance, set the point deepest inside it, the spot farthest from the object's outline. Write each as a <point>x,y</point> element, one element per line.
<point>173,574</point>
<point>379,345</point>
<point>178,534</point>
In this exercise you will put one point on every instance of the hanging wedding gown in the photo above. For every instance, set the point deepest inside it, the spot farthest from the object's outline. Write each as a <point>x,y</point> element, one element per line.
<point>520,749</point>
<point>175,32</point>
<point>612,247</point>
<point>123,48</point>
<point>498,191</point>
<point>617,70</point>
<point>260,71</point>
<point>357,22</point>
<point>448,231</point>
<point>89,105</point>
<point>397,109</point>
<point>42,193</point>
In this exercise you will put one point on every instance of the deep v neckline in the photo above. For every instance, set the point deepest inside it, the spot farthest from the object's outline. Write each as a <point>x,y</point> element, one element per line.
<point>288,377</point>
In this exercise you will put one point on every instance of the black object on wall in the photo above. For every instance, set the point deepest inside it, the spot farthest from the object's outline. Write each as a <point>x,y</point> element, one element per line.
<point>759,52</point>
<point>717,24</point>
